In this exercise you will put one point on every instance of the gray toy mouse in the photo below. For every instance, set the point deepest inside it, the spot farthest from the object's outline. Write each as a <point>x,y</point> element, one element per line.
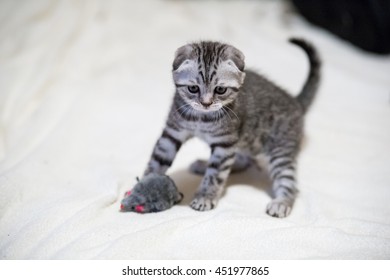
<point>153,193</point>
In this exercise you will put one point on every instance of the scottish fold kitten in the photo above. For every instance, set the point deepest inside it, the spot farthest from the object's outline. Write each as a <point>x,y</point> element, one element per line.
<point>241,115</point>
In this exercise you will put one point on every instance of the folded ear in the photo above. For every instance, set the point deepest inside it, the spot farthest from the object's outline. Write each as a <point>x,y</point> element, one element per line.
<point>232,68</point>
<point>183,53</point>
<point>236,56</point>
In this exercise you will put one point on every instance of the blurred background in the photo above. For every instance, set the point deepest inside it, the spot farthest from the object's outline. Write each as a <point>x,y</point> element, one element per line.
<point>85,88</point>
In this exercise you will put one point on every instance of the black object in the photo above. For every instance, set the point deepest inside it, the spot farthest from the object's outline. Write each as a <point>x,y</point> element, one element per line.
<point>365,23</point>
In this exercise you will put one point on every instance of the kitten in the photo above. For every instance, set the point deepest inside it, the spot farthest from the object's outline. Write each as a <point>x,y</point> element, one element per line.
<point>241,115</point>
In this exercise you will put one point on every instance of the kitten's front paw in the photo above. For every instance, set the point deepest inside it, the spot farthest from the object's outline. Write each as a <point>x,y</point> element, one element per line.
<point>201,203</point>
<point>279,208</point>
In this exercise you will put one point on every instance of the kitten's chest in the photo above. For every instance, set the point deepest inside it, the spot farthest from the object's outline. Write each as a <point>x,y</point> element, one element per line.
<point>205,131</point>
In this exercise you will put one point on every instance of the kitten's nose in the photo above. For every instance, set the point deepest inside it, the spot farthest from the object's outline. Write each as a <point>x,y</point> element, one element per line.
<point>206,100</point>
<point>206,103</point>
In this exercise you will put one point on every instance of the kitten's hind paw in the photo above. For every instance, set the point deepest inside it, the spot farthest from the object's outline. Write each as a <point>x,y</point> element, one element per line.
<point>279,208</point>
<point>198,167</point>
<point>202,203</point>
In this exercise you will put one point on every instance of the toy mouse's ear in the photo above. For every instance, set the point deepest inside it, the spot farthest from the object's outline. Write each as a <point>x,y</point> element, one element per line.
<point>137,178</point>
<point>179,197</point>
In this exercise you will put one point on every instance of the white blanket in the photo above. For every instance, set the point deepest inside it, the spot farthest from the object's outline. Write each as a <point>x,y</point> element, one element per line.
<point>85,87</point>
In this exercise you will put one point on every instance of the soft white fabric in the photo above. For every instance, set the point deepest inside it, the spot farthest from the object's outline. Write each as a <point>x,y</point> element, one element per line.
<point>85,87</point>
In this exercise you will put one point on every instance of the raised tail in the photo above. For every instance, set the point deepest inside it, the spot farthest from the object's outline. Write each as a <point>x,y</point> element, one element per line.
<point>309,89</point>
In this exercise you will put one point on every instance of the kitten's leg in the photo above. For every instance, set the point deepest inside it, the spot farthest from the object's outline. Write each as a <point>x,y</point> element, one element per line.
<point>281,166</point>
<point>241,163</point>
<point>218,169</point>
<point>164,153</point>
<point>165,150</point>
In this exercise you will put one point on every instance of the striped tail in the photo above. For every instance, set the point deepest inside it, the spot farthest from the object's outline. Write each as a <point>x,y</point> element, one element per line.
<point>310,87</point>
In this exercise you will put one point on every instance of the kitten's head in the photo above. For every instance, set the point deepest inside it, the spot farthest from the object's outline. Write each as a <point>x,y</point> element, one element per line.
<point>208,75</point>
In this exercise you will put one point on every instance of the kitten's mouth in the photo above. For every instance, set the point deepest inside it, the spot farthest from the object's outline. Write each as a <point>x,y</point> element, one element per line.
<point>204,109</point>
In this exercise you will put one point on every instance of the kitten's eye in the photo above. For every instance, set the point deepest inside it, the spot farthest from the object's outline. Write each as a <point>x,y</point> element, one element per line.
<point>193,89</point>
<point>220,90</point>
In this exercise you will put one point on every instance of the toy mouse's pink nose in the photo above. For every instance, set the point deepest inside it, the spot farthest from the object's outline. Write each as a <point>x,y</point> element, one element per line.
<point>139,208</point>
<point>122,207</point>
<point>128,193</point>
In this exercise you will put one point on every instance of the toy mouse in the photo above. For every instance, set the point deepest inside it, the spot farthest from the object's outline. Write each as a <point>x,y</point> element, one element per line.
<point>153,193</point>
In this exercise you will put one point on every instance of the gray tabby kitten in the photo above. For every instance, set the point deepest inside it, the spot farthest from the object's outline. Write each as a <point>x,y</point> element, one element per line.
<point>241,115</point>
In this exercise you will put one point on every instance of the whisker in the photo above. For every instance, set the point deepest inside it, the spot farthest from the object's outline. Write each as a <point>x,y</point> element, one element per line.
<point>232,112</point>
<point>227,113</point>
<point>177,109</point>
<point>221,115</point>
<point>181,112</point>
<point>193,116</point>
<point>188,112</point>
<point>217,116</point>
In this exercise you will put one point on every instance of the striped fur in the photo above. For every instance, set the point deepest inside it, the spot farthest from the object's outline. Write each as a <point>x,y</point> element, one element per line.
<point>241,115</point>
